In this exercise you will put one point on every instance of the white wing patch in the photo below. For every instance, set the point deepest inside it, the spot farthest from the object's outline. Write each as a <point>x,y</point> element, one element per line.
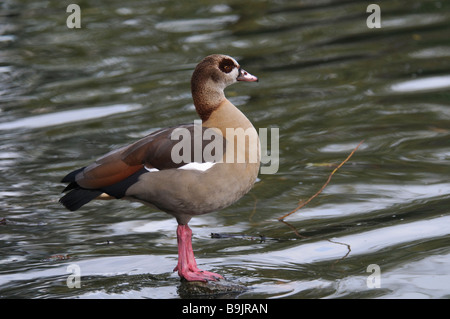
<point>194,166</point>
<point>198,166</point>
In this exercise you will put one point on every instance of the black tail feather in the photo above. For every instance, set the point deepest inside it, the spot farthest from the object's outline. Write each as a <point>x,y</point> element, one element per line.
<point>72,185</point>
<point>71,176</point>
<point>78,197</point>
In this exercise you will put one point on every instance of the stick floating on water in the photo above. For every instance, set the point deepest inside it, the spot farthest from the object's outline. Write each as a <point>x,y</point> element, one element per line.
<point>304,203</point>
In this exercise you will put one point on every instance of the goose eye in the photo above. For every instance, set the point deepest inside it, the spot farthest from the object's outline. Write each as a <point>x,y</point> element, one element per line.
<point>226,65</point>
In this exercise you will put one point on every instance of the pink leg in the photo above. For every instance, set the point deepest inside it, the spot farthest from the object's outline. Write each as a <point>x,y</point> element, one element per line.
<point>187,266</point>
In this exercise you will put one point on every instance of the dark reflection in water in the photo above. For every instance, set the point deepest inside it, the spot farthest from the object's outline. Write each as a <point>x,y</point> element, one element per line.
<point>327,81</point>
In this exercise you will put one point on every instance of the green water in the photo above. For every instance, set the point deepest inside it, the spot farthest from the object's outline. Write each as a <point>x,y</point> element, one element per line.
<point>327,81</point>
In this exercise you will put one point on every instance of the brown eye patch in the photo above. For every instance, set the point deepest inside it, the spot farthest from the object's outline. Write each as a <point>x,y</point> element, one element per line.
<point>226,65</point>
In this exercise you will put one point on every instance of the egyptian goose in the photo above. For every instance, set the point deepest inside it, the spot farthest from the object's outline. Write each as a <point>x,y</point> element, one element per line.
<point>150,171</point>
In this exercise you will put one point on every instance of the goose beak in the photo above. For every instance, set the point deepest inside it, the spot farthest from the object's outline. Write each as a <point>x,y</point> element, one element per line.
<point>245,76</point>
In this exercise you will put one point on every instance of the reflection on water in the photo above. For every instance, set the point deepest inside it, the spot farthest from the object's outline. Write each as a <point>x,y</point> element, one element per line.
<point>326,81</point>
<point>59,118</point>
<point>425,84</point>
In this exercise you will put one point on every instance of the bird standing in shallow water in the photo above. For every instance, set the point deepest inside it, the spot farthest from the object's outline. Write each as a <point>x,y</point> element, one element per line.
<point>146,171</point>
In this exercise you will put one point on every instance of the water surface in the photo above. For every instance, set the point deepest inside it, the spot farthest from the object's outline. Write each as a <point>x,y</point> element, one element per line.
<point>327,81</point>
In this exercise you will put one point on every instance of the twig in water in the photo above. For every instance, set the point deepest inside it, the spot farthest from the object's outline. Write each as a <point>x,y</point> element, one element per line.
<point>349,249</point>
<point>294,229</point>
<point>304,203</point>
